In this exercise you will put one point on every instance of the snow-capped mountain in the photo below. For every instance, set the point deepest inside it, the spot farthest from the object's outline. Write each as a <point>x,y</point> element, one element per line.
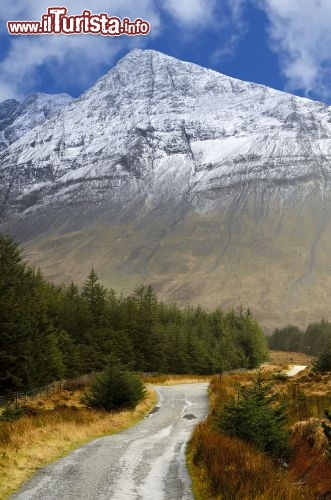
<point>17,119</point>
<point>213,189</point>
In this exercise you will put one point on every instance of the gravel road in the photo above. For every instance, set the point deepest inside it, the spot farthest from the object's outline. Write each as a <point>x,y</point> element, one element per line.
<point>146,462</point>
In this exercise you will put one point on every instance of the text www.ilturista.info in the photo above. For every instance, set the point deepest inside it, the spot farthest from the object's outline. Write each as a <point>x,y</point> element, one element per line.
<point>57,22</point>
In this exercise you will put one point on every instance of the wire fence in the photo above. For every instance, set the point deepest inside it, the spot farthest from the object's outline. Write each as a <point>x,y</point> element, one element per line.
<point>18,397</point>
<point>70,384</point>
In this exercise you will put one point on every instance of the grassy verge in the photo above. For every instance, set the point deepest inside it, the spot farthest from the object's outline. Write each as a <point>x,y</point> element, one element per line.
<point>52,428</point>
<point>201,486</point>
<point>228,468</point>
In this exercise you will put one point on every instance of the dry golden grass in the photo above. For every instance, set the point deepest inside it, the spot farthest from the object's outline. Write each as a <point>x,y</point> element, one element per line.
<point>201,486</point>
<point>170,379</point>
<point>310,432</point>
<point>283,358</point>
<point>226,387</point>
<point>306,395</point>
<point>309,461</point>
<point>52,428</point>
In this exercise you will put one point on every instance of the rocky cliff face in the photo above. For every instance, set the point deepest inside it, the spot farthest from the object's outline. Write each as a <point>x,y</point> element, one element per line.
<point>213,189</point>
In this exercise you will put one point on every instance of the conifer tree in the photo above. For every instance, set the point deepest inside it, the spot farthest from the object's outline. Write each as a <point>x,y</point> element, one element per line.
<point>323,360</point>
<point>254,417</point>
<point>95,296</point>
<point>115,388</point>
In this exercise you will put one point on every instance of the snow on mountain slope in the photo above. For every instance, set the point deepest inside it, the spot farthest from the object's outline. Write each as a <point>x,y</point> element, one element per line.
<point>174,127</point>
<point>17,119</point>
<point>214,190</point>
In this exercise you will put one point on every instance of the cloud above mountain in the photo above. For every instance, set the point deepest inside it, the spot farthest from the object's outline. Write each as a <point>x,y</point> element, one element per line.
<point>76,58</point>
<point>191,12</point>
<point>73,56</point>
<point>301,36</point>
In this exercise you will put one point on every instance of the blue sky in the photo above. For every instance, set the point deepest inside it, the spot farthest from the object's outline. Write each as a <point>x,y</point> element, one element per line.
<point>285,44</point>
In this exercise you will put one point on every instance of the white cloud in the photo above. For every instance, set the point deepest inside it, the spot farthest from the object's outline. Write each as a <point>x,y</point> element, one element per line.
<point>81,57</point>
<point>299,31</point>
<point>65,56</point>
<point>7,92</point>
<point>232,24</point>
<point>301,35</point>
<point>191,12</point>
<point>220,16</point>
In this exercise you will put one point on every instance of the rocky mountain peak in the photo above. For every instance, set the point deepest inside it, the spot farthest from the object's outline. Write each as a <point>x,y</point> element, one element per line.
<point>212,189</point>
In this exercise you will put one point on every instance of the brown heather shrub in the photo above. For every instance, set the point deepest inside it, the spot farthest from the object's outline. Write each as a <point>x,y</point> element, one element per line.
<point>236,470</point>
<point>310,432</point>
<point>5,436</point>
<point>310,460</point>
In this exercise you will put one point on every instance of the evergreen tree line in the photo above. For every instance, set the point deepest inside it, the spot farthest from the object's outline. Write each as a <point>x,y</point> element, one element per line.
<point>49,332</point>
<point>314,340</point>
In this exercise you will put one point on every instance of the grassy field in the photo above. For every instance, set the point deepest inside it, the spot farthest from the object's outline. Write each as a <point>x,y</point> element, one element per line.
<point>228,468</point>
<point>52,427</point>
<point>289,358</point>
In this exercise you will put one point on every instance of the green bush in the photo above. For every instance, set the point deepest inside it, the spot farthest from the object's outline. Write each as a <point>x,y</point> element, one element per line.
<point>254,417</point>
<point>11,413</point>
<point>323,361</point>
<point>115,389</point>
